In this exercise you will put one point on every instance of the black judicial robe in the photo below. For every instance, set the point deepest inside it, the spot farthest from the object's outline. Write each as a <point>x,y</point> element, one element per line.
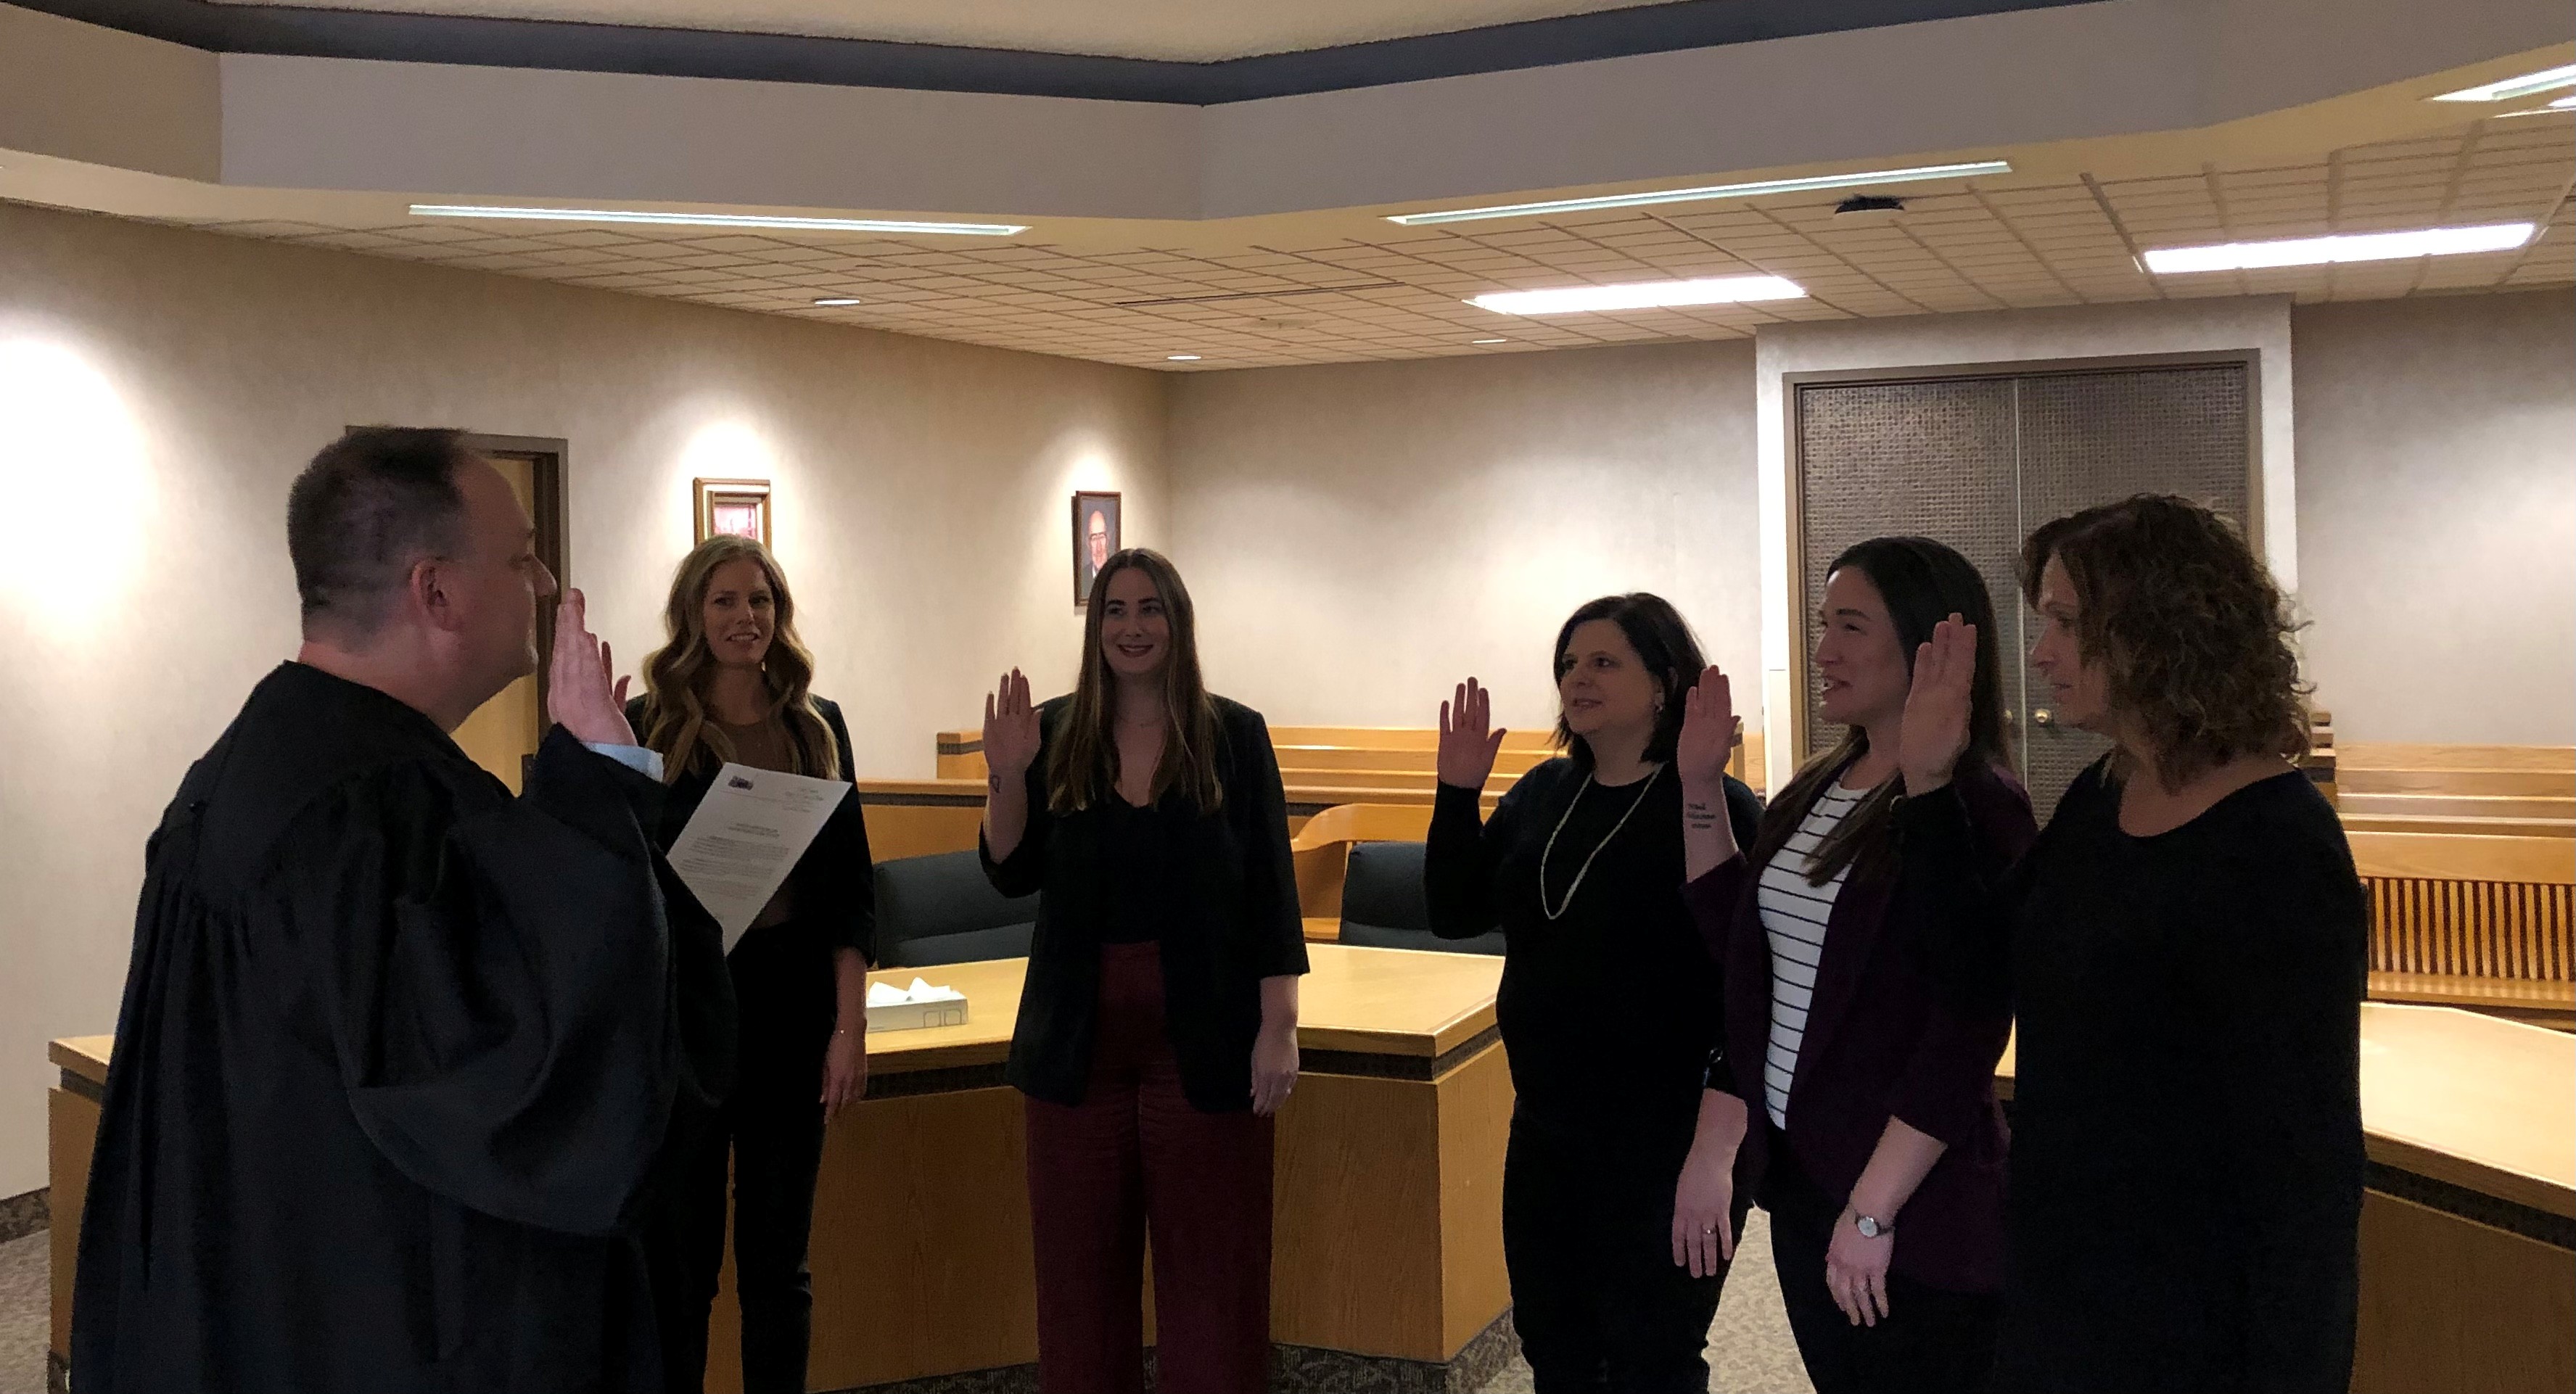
<point>397,1060</point>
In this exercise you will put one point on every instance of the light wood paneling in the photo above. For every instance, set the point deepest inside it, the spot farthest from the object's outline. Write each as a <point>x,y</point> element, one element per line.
<point>71,1130</point>
<point>1355,1258</point>
<point>912,830</point>
<point>2468,1099</point>
<point>1475,1126</point>
<point>921,1252</point>
<point>2390,755</point>
<point>2456,857</point>
<point>2450,1306</point>
<point>1394,1001</point>
<point>503,732</point>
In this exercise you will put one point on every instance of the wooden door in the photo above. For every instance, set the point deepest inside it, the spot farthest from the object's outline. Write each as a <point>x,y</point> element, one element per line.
<point>502,734</point>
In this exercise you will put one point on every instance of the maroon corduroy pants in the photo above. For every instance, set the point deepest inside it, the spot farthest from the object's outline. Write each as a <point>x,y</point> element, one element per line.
<point>1132,1155</point>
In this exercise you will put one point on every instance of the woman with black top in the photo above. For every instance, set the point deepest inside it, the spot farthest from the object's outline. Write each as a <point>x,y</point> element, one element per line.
<point>734,685</point>
<point>1608,1005</point>
<point>1157,1031</point>
<point>2185,953</point>
<point>1868,1090</point>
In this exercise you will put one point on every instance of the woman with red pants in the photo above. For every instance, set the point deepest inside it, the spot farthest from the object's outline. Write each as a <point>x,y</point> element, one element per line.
<point>1157,1031</point>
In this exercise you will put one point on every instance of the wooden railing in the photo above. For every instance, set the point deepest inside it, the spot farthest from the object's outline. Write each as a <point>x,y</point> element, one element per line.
<point>2487,790</point>
<point>2472,920</point>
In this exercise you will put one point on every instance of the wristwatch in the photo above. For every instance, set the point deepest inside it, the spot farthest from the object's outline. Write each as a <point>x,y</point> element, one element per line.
<point>1869,1226</point>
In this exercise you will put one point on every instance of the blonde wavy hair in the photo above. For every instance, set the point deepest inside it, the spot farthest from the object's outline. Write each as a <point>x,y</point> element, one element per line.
<point>677,676</point>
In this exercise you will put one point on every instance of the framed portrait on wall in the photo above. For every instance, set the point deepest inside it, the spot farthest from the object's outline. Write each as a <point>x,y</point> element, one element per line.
<point>739,507</point>
<point>1095,540</point>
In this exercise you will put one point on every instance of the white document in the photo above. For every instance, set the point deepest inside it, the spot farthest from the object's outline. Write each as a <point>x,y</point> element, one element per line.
<point>745,838</point>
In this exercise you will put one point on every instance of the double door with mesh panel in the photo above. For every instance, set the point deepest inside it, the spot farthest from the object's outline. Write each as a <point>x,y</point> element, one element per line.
<point>1978,462</point>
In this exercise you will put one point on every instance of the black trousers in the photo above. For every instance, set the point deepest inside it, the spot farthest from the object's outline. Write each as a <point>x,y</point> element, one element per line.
<point>1587,1240</point>
<point>1932,1340</point>
<point>771,1131</point>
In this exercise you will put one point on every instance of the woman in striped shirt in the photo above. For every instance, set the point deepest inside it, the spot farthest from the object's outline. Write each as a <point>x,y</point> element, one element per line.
<point>1853,1084</point>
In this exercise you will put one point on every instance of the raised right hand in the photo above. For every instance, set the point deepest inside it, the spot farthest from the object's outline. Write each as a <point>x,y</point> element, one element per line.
<point>1936,706</point>
<point>1467,748</point>
<point>1708,730</point>
<point>583,694</point>
<point>1010,728</point>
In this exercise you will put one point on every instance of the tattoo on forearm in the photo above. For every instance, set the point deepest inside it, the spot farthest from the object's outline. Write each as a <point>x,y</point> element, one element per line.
<point>1699,817</point>
<point>993,782</point>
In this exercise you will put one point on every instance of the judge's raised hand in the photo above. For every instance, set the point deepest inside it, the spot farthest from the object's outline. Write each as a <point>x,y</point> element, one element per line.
<point>1936,706</point>
<point>1708,730</point>
<point>1010,728</point>
<point>583,693</point>
<point>1467,745</point>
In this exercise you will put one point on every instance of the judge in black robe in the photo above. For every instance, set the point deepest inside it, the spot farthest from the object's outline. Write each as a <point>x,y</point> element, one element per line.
<point>397,1059</point>
<point>396,1056</point>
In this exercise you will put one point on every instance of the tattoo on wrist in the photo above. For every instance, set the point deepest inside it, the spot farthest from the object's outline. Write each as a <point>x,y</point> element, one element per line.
<point>1699,816</point>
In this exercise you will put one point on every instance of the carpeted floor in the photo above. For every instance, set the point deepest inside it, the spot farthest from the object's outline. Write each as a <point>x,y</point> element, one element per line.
<point>1749,1349</point>
<point>26,1312</point>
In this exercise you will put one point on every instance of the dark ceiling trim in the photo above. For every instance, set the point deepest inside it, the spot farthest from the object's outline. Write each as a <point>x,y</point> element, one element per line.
<point>617,48</point>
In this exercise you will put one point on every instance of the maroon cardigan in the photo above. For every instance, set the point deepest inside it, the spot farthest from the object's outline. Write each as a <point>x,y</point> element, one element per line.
<point>1890,1033</point>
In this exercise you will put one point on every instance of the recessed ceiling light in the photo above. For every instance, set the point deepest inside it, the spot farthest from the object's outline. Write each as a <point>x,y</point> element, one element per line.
<point>835,301</point>
<point>752,220</point>
<point>2546,80</point>
<point>1489,341</point>
<point>1182,358</point>
<point>1753,190</point>
<point>2319,251</point>
<point>1639,295</point>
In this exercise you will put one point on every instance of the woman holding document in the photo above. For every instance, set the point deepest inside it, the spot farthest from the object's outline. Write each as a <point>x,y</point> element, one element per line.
<point>733,685</point>
<point>1158,1029</point>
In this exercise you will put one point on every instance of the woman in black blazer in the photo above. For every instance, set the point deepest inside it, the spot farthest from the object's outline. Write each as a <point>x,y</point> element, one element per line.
<point>2184,951</point>
<point>1158,1024</point>
<point>733,685</point>
<point>1854,1086</point>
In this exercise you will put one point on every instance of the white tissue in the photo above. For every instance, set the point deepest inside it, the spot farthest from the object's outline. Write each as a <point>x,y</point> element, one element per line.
<point>888,995</point>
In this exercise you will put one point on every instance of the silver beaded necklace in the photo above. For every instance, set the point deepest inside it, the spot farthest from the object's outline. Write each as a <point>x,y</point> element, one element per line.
<point>1644,786</point>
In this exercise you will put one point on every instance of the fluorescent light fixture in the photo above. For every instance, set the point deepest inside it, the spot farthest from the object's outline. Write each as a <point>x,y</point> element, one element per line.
<point>1753,190</point>
<point>748,220</point>
<point>1489,341</point>
<point>1182,358</point>
<point>2546,80</point>
<point>2319,251</point>
<point>836,301</point>
<point>1639,295</point>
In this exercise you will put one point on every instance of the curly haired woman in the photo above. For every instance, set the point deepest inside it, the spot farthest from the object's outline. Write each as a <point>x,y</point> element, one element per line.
<point>2184,949</point>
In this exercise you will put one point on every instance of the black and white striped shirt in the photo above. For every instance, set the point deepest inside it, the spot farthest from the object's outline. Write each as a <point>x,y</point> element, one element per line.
<point>1794,912</point>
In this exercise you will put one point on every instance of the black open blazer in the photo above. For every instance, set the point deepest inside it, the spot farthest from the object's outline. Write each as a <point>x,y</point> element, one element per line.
<point>836,880</point>
<point>1229,920</point>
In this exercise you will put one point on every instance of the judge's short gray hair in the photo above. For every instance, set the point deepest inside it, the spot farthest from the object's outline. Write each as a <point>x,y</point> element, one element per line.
<point>372,505</point>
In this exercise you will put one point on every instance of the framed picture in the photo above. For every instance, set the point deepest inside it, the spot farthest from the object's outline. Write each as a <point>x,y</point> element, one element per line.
<point>1095,540</point>
<point>739,507</point>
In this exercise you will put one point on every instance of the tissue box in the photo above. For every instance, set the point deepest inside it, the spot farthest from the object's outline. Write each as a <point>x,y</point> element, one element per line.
<point>898,1009</point>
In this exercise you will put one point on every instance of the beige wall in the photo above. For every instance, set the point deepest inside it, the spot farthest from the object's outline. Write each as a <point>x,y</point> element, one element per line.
<point>159,388</point>
<point>2437,516</point>
<point>1360,537</point>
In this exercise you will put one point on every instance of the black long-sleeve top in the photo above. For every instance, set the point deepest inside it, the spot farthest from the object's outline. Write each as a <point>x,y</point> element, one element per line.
<point>1223,908</point>
<point>1609,1012</point>
<point>2184,1200</point>
<point>834,883</point>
